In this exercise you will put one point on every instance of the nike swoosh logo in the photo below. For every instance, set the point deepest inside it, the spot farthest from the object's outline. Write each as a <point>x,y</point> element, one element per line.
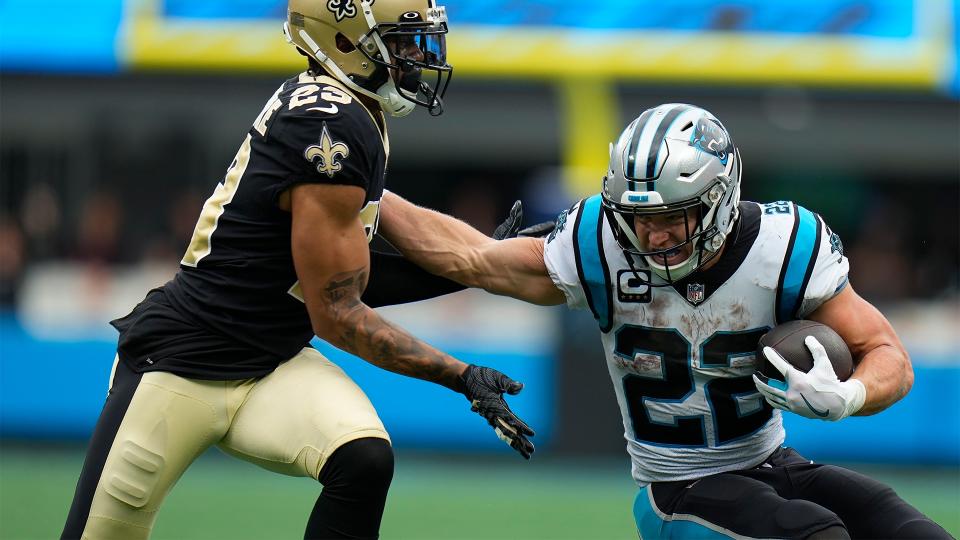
<point>813,409</point>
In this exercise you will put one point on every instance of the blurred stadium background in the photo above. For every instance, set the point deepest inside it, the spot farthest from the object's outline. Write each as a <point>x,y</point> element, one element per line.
<point>118,116</point>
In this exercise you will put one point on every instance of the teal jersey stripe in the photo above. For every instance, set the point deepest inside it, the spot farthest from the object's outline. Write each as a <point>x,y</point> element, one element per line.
<point>595,278</point>
<point>651,525</point>
<point>801,257</point>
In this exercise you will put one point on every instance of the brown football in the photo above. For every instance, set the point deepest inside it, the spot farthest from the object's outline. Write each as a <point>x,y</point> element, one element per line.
<point>787,339</point>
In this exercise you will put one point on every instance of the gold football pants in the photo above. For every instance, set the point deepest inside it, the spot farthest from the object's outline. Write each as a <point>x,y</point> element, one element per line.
<point>289,421</point>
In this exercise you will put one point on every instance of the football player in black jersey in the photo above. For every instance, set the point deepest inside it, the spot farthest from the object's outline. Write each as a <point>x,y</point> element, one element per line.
<point>220,355</point>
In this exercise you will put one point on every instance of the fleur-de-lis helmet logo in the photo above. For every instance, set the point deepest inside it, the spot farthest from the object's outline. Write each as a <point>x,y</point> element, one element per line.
<point>326,153</point>
<point>342,8</point>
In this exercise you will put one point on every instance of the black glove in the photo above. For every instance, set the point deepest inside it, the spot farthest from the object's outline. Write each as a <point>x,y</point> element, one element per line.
<point>484,387</point>
<point>539,230</point>
<point>510,226</point>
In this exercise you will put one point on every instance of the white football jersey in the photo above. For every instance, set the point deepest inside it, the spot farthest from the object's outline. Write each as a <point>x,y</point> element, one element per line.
<point>681,357</point>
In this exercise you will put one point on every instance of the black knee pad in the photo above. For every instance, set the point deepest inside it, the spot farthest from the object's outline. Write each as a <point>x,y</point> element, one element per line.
<point>360,465</point>
<point>802,518</point>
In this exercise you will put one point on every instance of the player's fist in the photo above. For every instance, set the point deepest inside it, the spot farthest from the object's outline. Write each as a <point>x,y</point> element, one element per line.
<point>484,387</point>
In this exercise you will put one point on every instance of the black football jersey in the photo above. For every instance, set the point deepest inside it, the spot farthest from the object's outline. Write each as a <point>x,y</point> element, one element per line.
<point>234,309</point>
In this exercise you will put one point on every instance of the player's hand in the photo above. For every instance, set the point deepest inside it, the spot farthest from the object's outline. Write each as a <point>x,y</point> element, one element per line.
<point>511,225</point>
<point>484,387</point>
<point>816,394</point>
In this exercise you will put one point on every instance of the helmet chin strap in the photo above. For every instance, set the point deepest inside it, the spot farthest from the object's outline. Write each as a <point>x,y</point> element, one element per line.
<point>393,102</point>
<point>636,272</point>
<point>627,230</point>
<point>677,271</point>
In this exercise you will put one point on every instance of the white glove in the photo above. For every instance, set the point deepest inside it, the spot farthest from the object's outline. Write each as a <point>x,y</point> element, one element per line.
<point>817,394</point>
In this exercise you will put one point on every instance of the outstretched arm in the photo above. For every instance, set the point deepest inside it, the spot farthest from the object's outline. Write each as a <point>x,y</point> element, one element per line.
<point>332,262</point>
<point>450,248</point>
<point>395,280</point>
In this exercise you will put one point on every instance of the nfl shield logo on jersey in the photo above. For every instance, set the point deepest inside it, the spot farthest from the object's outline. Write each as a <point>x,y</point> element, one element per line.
<point>695,293</point>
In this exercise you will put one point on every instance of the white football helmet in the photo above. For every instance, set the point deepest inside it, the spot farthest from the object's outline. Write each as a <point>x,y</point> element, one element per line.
<point>360,42</point>
<point>674,158</point>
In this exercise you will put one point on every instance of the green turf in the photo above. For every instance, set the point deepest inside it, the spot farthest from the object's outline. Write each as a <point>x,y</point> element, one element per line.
<point>463,498</point>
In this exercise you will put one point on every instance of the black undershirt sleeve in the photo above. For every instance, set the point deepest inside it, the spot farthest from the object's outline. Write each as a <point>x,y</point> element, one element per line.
<point>395,280</point>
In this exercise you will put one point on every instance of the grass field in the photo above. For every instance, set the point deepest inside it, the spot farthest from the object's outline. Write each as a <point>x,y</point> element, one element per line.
<point>431,498</point>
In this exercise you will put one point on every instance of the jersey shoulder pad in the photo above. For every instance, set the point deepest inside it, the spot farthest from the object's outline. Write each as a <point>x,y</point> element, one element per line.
<point>327,134</point>
<point>807,255</point>
<point>576,261</point>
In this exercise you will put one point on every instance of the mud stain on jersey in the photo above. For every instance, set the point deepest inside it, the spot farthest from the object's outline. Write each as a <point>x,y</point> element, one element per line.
<point>739,317</point>
<point>703,322</point>
<point>700,324</point>
<point>649,365</point>
<point>657,313</point>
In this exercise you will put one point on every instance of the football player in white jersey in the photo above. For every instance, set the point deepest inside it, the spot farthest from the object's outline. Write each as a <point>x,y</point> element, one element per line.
<point>683,279</point>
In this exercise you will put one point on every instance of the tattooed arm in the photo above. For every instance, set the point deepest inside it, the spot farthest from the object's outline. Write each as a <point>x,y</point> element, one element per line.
<point>332,261</point>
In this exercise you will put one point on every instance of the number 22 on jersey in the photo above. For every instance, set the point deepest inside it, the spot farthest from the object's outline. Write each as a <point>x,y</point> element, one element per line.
<point>675,384</point>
